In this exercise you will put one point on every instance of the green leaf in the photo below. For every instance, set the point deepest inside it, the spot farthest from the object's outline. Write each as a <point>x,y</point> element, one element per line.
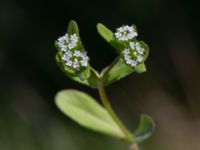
<point>93,80</point>
<point>84,74</point>
<point>140,68</point>
<point>108,35</point>
<point>105,32</point>
<point>116,71</point>
<point>145,129</point>
<point>84,110</point>
<point>73,27</point>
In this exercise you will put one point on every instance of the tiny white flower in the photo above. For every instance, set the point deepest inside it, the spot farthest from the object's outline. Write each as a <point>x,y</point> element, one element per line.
<point>125,33</point>
<point>74,38</point>
<point>67,42</point>
<point>77,53</point>
<point>139,48</point>
<point>65,58</point>
<point>128,61</point>
<point>140,58</point>
<point>118,34</point>
<point>75,64</point>
<point>63,47</point>
<point>70,46</point>
<point>69,63</point>
<point>132,45</point>
<point>134,63</point>
<point>84,62</point>
<point>126,51</point>
<point>68,53</point>
<point>63,39</point>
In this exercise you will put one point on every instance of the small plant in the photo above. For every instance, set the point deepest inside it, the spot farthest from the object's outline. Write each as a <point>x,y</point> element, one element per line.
<point>73,61</point>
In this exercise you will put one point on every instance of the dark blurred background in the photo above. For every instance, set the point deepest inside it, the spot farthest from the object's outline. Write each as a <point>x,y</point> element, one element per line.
<point>29,77</point>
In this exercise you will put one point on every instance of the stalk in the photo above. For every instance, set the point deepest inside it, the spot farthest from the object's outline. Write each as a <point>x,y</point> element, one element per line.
<point>104,98</point>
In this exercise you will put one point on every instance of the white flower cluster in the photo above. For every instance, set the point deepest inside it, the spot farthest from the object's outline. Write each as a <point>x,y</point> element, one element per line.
<point>67,42</point>
<point>72,56</point>
<point>134,51</point>
<point>134,54</point>
<point>126,33</point>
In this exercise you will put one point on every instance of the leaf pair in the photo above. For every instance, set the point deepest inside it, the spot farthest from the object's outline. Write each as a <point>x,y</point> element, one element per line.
<point>84,110</point>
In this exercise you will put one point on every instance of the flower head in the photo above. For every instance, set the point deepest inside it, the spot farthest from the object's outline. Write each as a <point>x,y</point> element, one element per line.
<point>133,54</point>
<point>132,51</point>
<point>125,33</point>
<point>73,54</point>
<point>68,42</point>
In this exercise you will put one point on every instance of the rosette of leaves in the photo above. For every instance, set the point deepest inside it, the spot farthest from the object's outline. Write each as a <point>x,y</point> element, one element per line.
<point>73,60</point>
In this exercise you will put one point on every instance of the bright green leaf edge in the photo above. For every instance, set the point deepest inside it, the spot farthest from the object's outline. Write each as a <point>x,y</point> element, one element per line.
<point>145,129</point>
<point>73,27</point>
<point>119,70</point>
<point>84,110</point>
<point>108,35</point>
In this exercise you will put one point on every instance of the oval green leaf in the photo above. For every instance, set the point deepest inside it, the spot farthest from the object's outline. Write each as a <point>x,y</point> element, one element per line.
<point>145,129</point>
<point>141,68</point>
<point>106,33</point>
<point>116,71</point>
<point>84,110</point>
<point>73,27</point>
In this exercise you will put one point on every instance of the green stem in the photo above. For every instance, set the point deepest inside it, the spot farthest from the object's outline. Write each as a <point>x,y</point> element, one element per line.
<point>134,147</point>
<point>106,103</point>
